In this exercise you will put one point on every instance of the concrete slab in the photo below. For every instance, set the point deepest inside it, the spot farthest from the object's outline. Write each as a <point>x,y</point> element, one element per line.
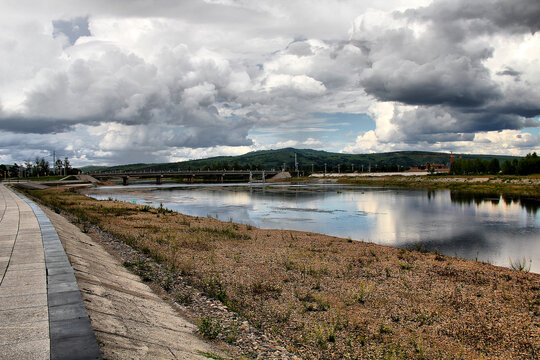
<point>25,332</point>
<point>21,260</point>
<point>67,311</point>
<point>37,349</point>
<point>23,301</point>
<point>23,315</point>
<point>64,298</point>
<point>25,259</point>
<point>76,348</point>
<point>62,287</point>
<point>61,278</point>
<point>22,256</point>
<point>70,328</point>
<point>22,281</point>
<point>60,269</point>
<point>24,273</point>
<point>57,258</point>
<point>23,290</point>
<point>23,267</point>
<point>26,247</point>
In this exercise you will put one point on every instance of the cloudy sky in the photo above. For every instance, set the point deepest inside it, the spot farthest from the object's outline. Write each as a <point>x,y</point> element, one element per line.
<point>124,81</point>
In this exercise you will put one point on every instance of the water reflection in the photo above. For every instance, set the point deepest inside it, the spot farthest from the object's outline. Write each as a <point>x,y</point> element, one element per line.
<point>530,204</point>
<point>488,227</point>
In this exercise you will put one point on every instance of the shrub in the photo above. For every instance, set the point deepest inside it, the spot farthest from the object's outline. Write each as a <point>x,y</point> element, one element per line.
<point>210,327</point>
<point>520,265</point>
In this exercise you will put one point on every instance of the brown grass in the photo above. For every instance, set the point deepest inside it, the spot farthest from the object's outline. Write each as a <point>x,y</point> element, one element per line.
<point>328,298</point>
<point>500,184</point>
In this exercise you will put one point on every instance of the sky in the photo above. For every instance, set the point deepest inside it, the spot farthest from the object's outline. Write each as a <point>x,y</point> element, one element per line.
<point>127,81</point>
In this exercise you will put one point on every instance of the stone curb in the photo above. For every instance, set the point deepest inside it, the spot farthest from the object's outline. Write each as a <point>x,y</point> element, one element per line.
<point>70,330</point>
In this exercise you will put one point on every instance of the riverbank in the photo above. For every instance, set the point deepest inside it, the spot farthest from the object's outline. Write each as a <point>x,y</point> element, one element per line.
<point>130,320</point>
<point>505,185</point>
<point>321,296</point>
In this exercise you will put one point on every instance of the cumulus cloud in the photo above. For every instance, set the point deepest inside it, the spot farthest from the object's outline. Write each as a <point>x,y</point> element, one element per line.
<point>436,61</point>
<point>122,81</point>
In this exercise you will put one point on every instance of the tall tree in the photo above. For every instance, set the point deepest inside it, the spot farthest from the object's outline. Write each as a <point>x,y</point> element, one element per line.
<point>494,166</point>
<point>67,166</point>
<point>59,165</point>
<point>14,170</point>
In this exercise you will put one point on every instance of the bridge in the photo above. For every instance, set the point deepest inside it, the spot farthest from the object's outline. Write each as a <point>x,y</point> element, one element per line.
<point>189,174</point>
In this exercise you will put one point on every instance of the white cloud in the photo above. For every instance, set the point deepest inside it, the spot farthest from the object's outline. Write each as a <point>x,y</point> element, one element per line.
<point>192,78</point>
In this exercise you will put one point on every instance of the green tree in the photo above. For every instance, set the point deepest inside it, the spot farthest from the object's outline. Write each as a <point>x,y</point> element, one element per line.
<point>508,168</point>
<point>14,170</point>
<point>529,165</point>
<point>58,166</point>
<point>67,166</point>
<point>494,166</point>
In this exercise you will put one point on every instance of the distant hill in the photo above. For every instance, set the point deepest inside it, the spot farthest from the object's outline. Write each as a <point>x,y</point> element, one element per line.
<point>307,159</point>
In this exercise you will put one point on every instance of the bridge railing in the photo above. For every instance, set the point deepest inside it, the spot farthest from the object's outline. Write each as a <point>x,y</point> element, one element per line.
<point>181,172</point>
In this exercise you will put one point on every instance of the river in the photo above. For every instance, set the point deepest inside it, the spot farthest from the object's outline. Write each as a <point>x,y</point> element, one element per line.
<point>491,228</point>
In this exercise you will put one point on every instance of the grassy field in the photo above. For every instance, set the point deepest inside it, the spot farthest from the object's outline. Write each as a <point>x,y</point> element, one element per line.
<point>35,178</point>
<point>323,297</point>
<point>506,185</point>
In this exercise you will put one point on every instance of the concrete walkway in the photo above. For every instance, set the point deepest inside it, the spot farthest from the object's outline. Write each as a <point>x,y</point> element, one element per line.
<point>41,311</point>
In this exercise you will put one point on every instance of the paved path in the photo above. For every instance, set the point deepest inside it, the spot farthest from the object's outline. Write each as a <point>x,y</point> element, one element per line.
<point>41,311</point>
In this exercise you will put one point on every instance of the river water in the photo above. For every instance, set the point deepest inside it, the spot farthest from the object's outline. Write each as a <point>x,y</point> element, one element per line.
<point>487,228</point>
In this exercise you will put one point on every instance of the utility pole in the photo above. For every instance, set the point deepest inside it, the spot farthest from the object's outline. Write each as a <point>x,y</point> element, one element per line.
<point>54,162</point>
<point>369,168</point>
<point>295,165</point>
<point>352,167</point>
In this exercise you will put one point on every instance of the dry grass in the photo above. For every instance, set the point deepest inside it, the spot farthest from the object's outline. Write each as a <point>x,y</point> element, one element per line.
<point>501,184</point>
<point>328,298</point>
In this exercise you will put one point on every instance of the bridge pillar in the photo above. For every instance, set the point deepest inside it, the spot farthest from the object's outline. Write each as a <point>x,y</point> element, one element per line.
<point>263,177</point>
<point>125,180</point>
<point>159,179</point>
<point>190,179</point>
<point>220,178</point>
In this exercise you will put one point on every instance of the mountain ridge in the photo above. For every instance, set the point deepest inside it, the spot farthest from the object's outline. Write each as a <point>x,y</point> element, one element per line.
<point>308,159</point>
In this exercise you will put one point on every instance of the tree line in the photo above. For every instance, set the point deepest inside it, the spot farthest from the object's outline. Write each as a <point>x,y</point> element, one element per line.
<point>528,165</point>
<point>39,167</point>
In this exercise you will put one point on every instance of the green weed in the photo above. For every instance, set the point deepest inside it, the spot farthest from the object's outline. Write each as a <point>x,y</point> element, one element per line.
<point>209,327</point>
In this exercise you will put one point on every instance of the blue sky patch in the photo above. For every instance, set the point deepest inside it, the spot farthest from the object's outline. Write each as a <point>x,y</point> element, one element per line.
<point>334,130</point>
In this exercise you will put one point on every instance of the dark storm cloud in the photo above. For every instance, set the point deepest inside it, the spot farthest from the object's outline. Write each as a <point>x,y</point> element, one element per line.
<point>441,68</point>
<point>453,80</point>
<point>508,71</point>
<point>438,123</point>
<point>25,125</point>
<point>115,87</point>
<point>482,16</point>
<point>73,29</point>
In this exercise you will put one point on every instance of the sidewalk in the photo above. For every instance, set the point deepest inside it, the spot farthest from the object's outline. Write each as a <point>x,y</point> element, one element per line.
<point>41,311</point>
